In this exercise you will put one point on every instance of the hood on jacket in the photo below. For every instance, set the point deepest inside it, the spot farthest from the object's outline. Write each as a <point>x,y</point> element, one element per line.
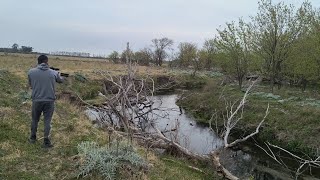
<point>43,66</point>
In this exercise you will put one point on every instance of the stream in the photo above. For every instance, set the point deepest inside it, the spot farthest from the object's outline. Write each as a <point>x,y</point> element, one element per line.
<point>201,139</point>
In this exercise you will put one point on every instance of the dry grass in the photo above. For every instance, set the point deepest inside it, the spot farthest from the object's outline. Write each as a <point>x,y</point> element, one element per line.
<point>19,158</point>
<point>20,63</point>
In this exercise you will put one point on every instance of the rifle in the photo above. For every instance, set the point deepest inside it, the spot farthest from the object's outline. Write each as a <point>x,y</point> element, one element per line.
<point>61,74</point>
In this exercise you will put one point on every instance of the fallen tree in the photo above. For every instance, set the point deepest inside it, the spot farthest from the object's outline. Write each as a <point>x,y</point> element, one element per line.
<point>234,116</point>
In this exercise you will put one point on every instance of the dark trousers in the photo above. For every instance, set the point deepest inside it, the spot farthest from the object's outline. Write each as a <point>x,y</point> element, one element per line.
<point>47,107</point>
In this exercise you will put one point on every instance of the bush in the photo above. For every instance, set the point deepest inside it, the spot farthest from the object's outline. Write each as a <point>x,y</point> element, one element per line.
<point>107,160</point>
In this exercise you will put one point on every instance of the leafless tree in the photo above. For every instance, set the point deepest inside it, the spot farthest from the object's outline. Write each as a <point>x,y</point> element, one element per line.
<point>159,49</point>
<point>132,102</point>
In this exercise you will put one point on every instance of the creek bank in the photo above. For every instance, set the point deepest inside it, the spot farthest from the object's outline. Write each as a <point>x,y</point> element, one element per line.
<point>202,140</point>
<point>289,125</point>
<point>202,101</point>
<point>78,90</point>
<point>267,134</point>
<point>187,83</point>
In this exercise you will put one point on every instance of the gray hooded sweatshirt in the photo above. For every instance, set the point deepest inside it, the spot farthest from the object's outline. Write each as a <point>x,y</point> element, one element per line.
<point>42,80</point>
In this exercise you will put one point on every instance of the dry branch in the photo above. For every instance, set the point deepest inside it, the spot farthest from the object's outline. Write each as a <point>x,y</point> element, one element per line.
<point>233,118</point>
<point>310,162</point>
<point>216,161</point>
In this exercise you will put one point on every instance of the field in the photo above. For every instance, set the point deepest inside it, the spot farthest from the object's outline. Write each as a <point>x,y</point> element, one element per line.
<point>293,121</point>
<point>21,160</point>
<point>19,64</point>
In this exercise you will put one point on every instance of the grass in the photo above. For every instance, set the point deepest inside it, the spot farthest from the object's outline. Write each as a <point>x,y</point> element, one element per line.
<point>19,64</point>
<point>70,126</point>
<point>169,168</point>
<point>21,160</point>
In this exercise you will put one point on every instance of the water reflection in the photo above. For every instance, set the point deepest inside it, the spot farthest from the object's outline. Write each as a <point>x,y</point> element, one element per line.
<point>188,134</point>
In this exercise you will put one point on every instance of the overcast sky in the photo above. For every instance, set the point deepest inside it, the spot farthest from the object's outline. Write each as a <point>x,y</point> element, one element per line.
<point>101,26</point>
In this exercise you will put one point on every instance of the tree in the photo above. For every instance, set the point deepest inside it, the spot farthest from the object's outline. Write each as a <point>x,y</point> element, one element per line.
<point>143,57</point>
<point>159,49</point>
<point>114,56</point>
<point>15,47</point>
<point>26,49</point>
<point>233,41</point>
<point>189,56</point>
<point>208,54</point>
<point>186,54</point>
<point>275,29</point>
<point>124,54</point>
<point>304,64</point>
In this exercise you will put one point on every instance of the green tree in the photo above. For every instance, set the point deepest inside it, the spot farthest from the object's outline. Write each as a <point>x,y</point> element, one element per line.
<point>208,54</point>
<point>275,29</point>
<point>143,57</point>
<point>114,56</point>
<point>233,42</point>
<point>128,53</point>
<point>188,56</point>
<point>15,47</point>
<point>187,52</point>
<point>304,64</point>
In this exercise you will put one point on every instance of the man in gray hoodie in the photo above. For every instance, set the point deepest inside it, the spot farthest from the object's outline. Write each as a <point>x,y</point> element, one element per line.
<point>42,81</point>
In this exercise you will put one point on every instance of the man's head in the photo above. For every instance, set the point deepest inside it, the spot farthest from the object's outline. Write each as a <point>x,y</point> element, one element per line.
<point>42,59</point>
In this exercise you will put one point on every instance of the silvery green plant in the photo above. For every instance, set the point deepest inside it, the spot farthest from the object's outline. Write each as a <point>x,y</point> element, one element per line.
<point>106,160</point>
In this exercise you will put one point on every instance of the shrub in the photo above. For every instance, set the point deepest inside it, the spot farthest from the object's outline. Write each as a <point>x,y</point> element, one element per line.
<point>108,159</point>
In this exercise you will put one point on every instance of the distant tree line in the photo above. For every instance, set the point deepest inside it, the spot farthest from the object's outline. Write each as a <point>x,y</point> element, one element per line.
<point>281,43</point>
<point>155,54</point>
<point>16,49</point>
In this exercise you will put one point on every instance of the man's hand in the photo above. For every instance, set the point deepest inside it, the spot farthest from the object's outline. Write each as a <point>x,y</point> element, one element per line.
<point>59,79</point>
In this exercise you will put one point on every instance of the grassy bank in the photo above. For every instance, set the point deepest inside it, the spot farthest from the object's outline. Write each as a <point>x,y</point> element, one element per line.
<point>21,160</point>
<point>294,116</point>
<point>70,126</point>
